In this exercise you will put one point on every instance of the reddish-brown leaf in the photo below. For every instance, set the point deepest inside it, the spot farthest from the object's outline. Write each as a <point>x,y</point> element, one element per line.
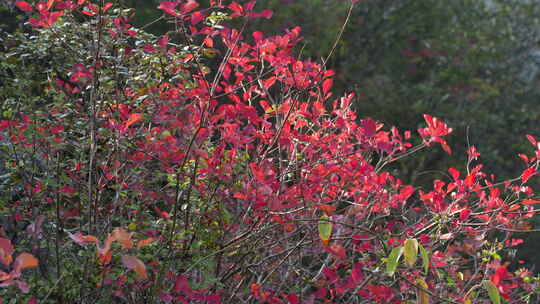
<point>6,250</point>
<point>25,260</point>
<point>81,239</point>
<point>135,264</point>
<point>123,237</point>
<point>145,242</point>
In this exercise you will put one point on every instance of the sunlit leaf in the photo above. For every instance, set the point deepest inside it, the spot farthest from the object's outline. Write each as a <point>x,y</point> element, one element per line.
<point>410,253</point>
<point>425,258</point>
<point>325,229</point>
<point>393,260</point>
<point>492,291</point>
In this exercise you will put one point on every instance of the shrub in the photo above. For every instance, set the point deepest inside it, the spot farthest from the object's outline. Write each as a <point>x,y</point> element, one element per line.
<point>214,166</point>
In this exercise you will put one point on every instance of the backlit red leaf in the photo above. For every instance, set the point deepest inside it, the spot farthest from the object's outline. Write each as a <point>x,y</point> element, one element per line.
<point>23,6</point>
<point>527,174</point>
<point>530,202</point>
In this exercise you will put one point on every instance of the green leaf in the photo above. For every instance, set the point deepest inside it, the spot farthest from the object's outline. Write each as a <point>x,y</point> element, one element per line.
<point>393,260</point>
<point>492,290</point>
<point>411,252</point>
<point>425,258</point>
<point>325,229</point>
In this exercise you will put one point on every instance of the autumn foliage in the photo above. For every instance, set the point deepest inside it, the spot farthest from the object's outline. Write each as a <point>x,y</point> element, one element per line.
<point>213,165</point>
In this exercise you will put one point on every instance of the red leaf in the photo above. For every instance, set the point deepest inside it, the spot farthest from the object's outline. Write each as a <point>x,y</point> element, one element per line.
<point>189,6</point>
<point>369,126</point>
<point>262,14</point>
<point>209,42</point>
<point>106,6</point>
<point>454,173</point>
<point>293,298</point>
<point>23,6</point>
<point>527,174</point>
<point>163,42</point>
<point>530,202</point>
<point>196,17</point>
<point>464,214</point>
<point>168,7</point>
<point>136,265</point>
<point>532,140</point>
<point>327,84</point>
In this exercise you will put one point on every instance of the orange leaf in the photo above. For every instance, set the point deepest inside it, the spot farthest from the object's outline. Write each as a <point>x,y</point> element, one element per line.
<point>133,118</point>
<point>123,237</point>
<point>104,252</point>
<point>81,239</point>
<point>135,264</point>
<point>25,260</point>
<point>145,242</point>
<point>328,209</point>
<point>530,202</point>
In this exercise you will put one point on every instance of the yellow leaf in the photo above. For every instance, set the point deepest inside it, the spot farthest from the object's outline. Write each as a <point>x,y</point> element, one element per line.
<point>422,297</point>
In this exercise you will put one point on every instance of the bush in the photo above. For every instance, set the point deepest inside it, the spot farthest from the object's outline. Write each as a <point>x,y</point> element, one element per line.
<point>211,165</point>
